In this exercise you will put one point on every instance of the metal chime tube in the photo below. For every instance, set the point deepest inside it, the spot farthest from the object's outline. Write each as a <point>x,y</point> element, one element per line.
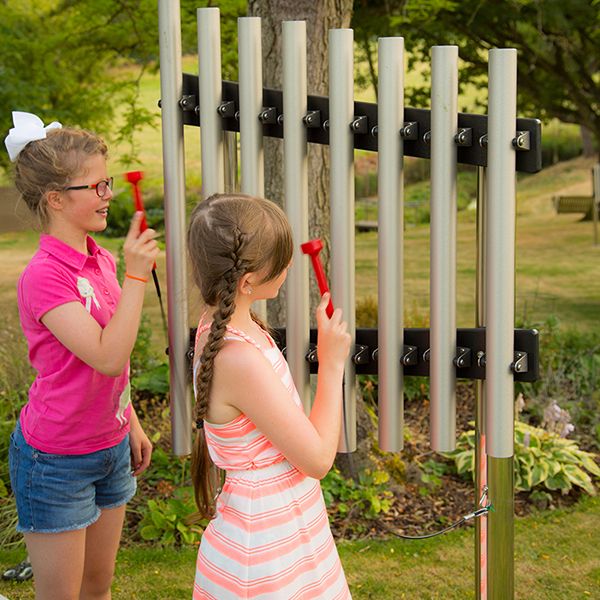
<point>174,190</point>
<point>444,120</point>
<point>341,113</point>
<point>251,102</point>
<point>296,202</point>
<point>210,96</point>
<point>500,291</point>
<point>390,118</point>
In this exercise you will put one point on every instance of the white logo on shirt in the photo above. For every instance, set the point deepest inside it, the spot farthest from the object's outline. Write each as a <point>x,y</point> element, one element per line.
<point>87,291</point>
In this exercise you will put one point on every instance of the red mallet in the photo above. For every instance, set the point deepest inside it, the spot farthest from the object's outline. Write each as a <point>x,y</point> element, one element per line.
<point>312,248</point>
<point>134,178</point>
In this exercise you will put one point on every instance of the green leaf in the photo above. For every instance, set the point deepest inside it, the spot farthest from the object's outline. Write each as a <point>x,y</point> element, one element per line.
<point>149,532</point>
<point>589,464</point>
<point>580,478</point>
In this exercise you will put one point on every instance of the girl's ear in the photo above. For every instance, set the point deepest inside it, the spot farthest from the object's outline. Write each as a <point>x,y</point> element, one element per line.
<point>54,200</point>
<point>245,285</point>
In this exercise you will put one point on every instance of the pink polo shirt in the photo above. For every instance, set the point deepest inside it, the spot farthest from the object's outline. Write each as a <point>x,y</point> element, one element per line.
<point>72,408</point>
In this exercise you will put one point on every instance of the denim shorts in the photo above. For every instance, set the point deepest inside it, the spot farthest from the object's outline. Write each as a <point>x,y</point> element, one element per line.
<point>63,492</point>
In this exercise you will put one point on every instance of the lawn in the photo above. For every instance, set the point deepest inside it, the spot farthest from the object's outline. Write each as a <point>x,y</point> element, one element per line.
<point>556,558</point>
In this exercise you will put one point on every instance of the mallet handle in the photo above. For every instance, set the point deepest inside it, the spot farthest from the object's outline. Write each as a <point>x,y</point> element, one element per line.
<point>321,280</point>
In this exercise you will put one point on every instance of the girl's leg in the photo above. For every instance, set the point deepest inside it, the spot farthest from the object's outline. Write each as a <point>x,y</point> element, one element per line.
<point>101,545</point>
<point>57,561</point>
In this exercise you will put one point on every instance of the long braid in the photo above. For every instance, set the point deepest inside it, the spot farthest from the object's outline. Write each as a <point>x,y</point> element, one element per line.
<point>203,476</point>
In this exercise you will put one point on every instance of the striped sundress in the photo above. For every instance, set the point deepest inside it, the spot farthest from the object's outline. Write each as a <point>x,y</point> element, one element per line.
<point>270,538</point>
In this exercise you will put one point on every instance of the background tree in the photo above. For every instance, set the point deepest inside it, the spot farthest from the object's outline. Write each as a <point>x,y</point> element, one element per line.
<point>558,45</point>
<point>80,61</point>
<point>319,17</point>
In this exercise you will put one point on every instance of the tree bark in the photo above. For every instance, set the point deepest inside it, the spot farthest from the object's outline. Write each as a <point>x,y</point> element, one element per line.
<point>320,16</point>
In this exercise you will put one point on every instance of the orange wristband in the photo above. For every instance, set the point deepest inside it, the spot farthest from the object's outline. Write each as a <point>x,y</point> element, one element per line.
<point>136,278</point>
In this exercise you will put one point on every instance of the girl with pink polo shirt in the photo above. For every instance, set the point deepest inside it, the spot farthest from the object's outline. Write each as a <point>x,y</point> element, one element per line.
<point>78,444</point>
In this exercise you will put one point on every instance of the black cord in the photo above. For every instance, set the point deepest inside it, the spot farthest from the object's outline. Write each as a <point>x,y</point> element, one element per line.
<point>477,513</point>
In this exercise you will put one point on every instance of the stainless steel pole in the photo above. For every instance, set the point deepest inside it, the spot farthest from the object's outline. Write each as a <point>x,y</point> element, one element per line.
<point>210,97</point>
<point>341,113</point>
<point>442,372</point>
<point>500,292</point>
<point>296,202</point>
<point>174,189</point>
<point>480,465</point>
<point>251,101</point>
<point>390,178</point>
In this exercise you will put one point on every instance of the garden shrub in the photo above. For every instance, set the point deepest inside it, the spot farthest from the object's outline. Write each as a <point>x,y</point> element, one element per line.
<point>542,461</point>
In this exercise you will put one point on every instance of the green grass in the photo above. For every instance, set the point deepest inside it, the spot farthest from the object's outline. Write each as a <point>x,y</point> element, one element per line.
<point>556,558</point>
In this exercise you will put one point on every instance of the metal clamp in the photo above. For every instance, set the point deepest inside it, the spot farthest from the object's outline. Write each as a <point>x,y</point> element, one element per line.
<point>520,364</point>
<point>326,125</point>
<point>464,137</point>
<point>188,102</point>
<point>311,356</point>
<point>410,356</point>
<point>463,357</point>
<point>483,140</point>
<point>480,358</point>
<point>522,141</point>
<point>268,115</point>
<point>427,137</point>
<point>360,124</point>
<point>374,130</point>
<point>375,354</point>
<point>410,130</point>
<point>361,355</point>
<point>312,119</point>
<point>426,355</point>
<point>280,120</point>
<point>226,109</point>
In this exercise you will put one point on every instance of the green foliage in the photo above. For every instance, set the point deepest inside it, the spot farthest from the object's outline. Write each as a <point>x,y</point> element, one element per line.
<point>560,142</point>
<point>367,498</point>
<point>569,375</point>
<point>167,521</point>
<point>558,45</point>
<point>542,460</point>
<point>122,209</point>
<point>432,472</point>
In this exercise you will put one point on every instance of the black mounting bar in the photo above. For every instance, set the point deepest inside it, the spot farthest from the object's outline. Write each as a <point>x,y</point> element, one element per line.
<point>471,138</point>
<point>469,359</point>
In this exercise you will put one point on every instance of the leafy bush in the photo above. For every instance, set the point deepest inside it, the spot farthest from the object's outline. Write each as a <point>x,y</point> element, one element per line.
<point>570,377</point>
<point>166,521</point>
<point>542,460</point>
<point>560,142</point>
<point>122,209</point>
<point>368,497</point>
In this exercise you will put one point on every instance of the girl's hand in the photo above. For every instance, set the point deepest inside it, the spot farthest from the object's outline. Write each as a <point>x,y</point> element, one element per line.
<point>140,249</point>
<point>141,448</point>
<point>333,343</point>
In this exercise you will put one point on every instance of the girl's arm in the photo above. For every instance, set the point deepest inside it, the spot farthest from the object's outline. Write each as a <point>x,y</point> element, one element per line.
<point>108,349</point>
<point>245,379</point>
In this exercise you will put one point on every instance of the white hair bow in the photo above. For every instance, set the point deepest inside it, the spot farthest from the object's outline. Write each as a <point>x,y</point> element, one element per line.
<point>27,128</point>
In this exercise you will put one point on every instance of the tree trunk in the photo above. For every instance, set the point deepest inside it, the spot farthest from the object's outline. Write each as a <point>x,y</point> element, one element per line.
<point>320,17</point>
<point>587,141</point>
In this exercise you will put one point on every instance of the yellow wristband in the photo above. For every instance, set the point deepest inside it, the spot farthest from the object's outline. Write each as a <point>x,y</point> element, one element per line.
<point>136,278</point>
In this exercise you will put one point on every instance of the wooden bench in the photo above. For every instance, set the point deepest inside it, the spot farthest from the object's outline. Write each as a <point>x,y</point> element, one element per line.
<point>574,204</point>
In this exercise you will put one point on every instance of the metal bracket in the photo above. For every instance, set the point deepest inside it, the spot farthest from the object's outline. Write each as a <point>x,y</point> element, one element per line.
<point>463,357</point>
<point>410,130</point>
<point>360,125</point>
<point>226,109</point>
<point>520,363</point>
<point>410,355</point>
<point>522,141</point>
<point>312,119</point>
<point>427,137</point>
<point>188,102</point>
<point>361,355</point>
<point>483,140</point>
<point>326,125</point>
<point>311,355</point>
<point>464,137</point>
<point>268,115</point>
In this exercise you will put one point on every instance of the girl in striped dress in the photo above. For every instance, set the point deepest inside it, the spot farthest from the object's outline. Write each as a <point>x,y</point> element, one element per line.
<point>269,537</point>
